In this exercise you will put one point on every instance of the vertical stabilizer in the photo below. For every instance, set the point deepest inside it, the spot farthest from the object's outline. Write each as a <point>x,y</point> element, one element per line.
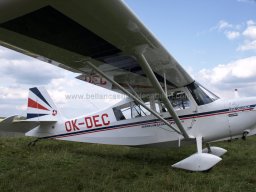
<point>41,106</point>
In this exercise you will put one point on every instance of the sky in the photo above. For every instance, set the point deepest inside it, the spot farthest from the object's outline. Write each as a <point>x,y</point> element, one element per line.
<point>214,40</point>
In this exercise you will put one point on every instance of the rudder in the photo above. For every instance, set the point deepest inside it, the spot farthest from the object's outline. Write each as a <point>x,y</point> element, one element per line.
<point>41,107</point>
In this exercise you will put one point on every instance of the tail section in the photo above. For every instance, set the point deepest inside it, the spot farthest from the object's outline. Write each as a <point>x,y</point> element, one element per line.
<point>41,106</point>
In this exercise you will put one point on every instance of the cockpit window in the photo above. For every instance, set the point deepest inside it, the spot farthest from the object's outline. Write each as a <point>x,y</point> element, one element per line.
<point>201,95</point>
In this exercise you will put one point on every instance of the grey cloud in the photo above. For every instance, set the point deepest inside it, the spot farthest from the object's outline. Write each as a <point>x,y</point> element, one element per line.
<point>12,55</point>
<point>26,70</point>
<point>247,91</point>
<point>14,102</point>
<point>231,82</point>
<point>9,107</point>
<point>31,72</point>
<point>240,81</point>
<point>239,74</point>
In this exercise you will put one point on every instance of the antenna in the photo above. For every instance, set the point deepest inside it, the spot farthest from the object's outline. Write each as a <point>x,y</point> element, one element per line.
<point>236,93</point>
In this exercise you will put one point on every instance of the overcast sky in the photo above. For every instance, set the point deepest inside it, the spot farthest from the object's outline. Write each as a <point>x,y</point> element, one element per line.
<point>214,40</point>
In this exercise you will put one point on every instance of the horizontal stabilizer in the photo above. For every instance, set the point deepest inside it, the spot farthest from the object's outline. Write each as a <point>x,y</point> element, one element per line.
<point>9,119</point>
<point>198,162</point>
<point>11,125</point>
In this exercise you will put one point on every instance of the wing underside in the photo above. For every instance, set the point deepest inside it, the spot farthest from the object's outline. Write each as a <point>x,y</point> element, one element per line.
<point>105,32</point>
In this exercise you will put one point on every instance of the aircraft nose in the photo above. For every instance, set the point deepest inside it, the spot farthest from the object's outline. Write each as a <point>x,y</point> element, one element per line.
<point>243,116</point>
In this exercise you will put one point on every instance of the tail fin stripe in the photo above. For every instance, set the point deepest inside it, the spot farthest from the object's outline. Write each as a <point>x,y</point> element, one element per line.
<point>38,94</point>
<point>41,107</point>
<point>31,115</point>
<point>34,104</point>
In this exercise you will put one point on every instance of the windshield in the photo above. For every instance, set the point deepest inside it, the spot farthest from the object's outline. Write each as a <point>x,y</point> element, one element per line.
<point>201,95</point>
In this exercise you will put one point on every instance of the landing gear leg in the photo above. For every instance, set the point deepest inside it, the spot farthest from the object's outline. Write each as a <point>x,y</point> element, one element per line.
<point>245,133</point>
<point>33,143</point>
<point>209,147</point>
<point>199,144</point>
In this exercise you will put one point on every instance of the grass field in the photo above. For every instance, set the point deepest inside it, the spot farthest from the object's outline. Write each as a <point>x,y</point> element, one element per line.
<point>66,166</point>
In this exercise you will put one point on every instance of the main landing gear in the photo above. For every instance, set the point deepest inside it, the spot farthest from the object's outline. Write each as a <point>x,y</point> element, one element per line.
<point>203,160</point>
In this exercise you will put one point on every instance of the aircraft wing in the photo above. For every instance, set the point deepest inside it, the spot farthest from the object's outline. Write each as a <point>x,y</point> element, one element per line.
<point>64,33</point>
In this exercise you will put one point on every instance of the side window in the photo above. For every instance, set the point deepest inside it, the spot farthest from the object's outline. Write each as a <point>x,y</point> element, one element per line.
<point>119,114</point>
<point>179,100</point>
<point>129,111</point>
<point>160,108</point>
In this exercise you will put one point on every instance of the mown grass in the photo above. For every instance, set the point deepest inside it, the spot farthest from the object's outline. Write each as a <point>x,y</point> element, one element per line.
<point>66,166</point>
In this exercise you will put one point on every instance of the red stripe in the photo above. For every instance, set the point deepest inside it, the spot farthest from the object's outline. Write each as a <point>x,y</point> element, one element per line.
<point>140,124</point>
<point>35,105</point>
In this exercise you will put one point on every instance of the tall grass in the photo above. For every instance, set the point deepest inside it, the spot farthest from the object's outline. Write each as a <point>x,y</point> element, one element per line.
<point>66,166</point>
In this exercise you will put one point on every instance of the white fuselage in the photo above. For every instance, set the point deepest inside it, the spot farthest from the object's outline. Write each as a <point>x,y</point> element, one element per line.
<point>221,119</point>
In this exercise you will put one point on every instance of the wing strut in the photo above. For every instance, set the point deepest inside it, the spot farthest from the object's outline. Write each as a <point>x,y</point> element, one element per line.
<point>150,74</point>
<point>129,94</point>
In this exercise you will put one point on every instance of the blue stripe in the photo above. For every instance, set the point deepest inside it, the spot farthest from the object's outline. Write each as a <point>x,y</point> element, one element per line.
<point>32,115</point>
<point>38,94</point>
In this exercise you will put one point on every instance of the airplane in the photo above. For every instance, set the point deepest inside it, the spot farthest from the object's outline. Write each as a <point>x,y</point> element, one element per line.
<point>107,45</point>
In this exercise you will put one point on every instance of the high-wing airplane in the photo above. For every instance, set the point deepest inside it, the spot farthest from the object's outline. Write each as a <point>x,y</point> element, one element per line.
<point>108,46</point>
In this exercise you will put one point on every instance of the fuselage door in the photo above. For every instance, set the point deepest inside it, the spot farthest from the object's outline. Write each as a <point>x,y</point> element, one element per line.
<point>184,106</point>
